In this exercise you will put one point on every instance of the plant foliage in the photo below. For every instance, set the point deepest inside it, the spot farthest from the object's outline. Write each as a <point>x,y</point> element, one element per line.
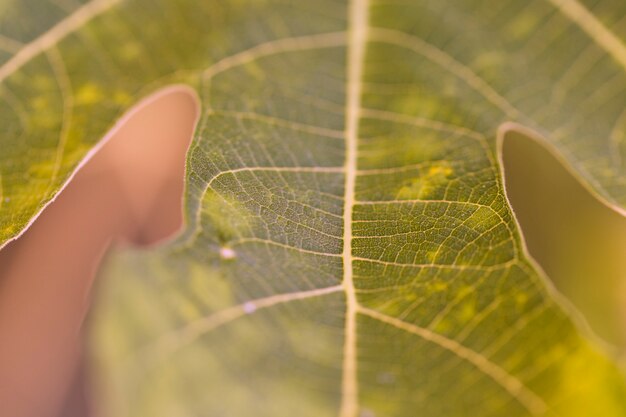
<point>349,249</point>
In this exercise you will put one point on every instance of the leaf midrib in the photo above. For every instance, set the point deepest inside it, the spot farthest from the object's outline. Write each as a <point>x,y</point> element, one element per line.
<point>358,20</point>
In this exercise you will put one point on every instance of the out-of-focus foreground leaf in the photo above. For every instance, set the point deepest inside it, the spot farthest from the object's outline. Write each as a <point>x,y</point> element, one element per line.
<point>349,250</point>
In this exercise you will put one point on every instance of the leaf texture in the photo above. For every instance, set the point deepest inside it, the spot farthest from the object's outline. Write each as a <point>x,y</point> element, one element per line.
<point>349,248</point>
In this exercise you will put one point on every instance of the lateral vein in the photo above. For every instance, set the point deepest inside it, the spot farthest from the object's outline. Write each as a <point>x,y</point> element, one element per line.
<point>531,401</point>
<point>50,38</point>
<point>179,338</point>
<point>593,27</point>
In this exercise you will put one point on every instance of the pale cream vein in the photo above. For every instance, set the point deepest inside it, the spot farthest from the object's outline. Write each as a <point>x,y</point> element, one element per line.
<point>179,338</point>
<point>450,64</point>
<point>50,38</point>
<point>356,56</point>
<point>593,27</point>
<point>531,401</point>
<point>65,87</point>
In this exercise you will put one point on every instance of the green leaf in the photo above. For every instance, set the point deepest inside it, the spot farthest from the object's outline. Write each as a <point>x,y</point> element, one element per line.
<point>349,248</point>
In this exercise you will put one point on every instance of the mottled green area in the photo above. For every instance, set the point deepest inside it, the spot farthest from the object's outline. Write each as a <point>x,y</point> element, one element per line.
<point>243,314</point>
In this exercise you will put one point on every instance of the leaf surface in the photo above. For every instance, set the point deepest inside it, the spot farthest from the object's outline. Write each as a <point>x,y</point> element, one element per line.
<point>349,249</point>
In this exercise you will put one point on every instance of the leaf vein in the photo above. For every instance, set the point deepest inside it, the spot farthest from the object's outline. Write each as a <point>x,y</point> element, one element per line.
<point>531,401</point>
